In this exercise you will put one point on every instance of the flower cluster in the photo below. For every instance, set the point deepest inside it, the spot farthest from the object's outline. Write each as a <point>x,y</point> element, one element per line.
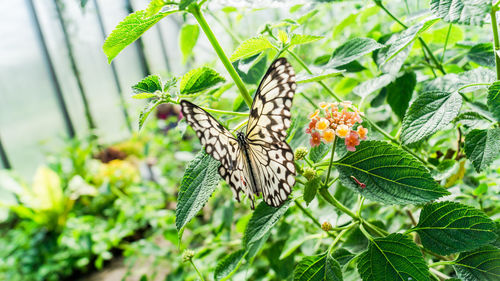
<point>336,120</point>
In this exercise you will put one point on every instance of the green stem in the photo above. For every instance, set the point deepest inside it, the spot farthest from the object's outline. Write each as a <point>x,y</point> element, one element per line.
<point>375,228</point>
<point>196,12</point>
<point>337,239</point>
<point>441,263</point>
<point>309,215</point>
<point>424,45</point>
<point>366,233</point>
<point>446,42</point>
<point>472,85</point>
<point>496,40</point>
<point>309,100</point>
<point>360,208</point>
<point>333,201</point>
<point>303,64</point>
<point>197,271</point>
<point>330,166</point>
<point>218,111</point>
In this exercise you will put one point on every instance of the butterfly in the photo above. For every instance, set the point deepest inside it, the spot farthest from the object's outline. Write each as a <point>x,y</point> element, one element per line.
<point>259,160</point>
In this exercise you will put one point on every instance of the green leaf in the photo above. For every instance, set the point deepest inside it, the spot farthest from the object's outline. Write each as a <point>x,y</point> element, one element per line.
<point>406,37</point>
<point>353,66</point>
<point>263,219</point>
<point>310,189</point>
<point>150,84</point>
<point>399,93</point>
<point>142,96</point>
<point>372,85</point>
<point>154,7</point>
<point>352,50</point>
<point>188,36</point>
<point>308,78</point>
<point>185,3</point>
<point>199,79</point>
<point>299,39</point>
<point>470,12</point>
<point>472,119</point>
<point>430,112</point>
<point>394,257</point>
<point>297,238</point>
<point>482,264</point>
<point>319,152</point>
<point>251,47</point>
<point>318,268</point>
<point>444,34</point>
<point>147,110</point>
<point>448,227</point>
<point>343,256</point>
<point>494,100</point>
<point>482,147</point>
<point>251,69</point>
<point>391,175</point>
<point>482,54</point>
<point>197,185</point>
<point>228,264</point>
<point>129,30</point>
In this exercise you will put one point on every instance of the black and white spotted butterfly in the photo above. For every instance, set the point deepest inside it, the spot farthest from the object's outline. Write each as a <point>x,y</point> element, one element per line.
<point>259,160</point>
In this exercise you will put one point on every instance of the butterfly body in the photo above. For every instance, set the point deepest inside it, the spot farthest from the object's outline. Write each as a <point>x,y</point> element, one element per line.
<point>258,160</point>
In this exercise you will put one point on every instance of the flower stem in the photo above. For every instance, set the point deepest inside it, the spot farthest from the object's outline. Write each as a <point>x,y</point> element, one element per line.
<point>196,12</point>
<point>441,263</point>
<point>197,271</point>
<point>309,215</point>
<point>496,40</point>
<point>333,201</point>
<point>446,42</point>
<point>331,161</point>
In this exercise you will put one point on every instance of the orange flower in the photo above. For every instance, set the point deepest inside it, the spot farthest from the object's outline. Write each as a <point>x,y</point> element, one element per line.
<point>314,114</point>
<point>322,124</point>
<point>352,141</point>
<point>323,105</point>
<point>362,132</point>
<point>328,135</point>
<point>342,130</point>
<point>315,139</point>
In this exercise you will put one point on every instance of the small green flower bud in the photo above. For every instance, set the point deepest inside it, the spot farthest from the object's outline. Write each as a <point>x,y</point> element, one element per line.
<point>187,255</point>
<point>309,173</point>
<point>301,153</point>
<point>326,226</point>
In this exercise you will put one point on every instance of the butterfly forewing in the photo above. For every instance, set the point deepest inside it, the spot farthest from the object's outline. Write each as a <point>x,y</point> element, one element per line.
<point>263,162</point>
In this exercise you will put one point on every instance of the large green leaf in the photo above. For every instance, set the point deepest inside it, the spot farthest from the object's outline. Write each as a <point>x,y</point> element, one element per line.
<point>391,175</point>
<point>471,12</point>
<point>482,147</point>
<point>228,264</point>
<point>482,54</point>
<point>406,37</point>
<point>197,185</point>
<point>399,93</point>
<point>352,50</point>
<point>448,227</point>
<point>188,36</point>
<point>251,47</point>
<point>318,268</point>
<point>299,39</point>
<point>263,219</point>
<point>372,85</point>
<point>199,79</point>
<point>143,115</point>
<point>129,30</point>
<point>494,100</point>
<point>394,257</point>
<point>430,112</point>
<point>482,264</point>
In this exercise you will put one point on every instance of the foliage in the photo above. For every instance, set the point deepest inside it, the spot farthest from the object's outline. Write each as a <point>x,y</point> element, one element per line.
<point>428,89</point>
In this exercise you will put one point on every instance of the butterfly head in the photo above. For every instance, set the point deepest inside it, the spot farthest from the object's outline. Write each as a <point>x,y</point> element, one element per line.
<point>240,136</point>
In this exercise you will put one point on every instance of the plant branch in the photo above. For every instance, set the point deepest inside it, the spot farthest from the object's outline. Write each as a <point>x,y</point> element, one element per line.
<point>496,40</point>
<point>446,42</point>
<point>333,201</point>
<point>197,271</point>
<point>331,161</point>
<point>309,215</point>
<point>196,12</point>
